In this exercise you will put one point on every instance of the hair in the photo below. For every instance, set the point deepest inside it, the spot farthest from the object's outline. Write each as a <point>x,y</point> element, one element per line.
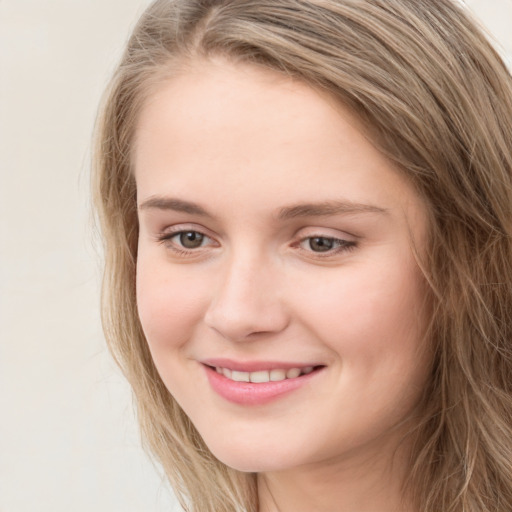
<point>436,99</point>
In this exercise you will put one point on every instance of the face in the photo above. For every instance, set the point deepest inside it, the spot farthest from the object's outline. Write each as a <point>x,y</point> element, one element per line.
<point>275,248</point>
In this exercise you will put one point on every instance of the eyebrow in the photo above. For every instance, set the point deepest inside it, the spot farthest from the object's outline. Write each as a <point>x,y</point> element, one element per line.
<point>321,209</point>
<point>327,208</point>
<point>171,203</point>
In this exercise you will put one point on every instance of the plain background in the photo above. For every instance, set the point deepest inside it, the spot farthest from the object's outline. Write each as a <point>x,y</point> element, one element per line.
<point>68,438</point>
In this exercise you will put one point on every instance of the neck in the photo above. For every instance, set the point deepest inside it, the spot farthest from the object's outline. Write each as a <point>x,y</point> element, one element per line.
<point>353,484</point>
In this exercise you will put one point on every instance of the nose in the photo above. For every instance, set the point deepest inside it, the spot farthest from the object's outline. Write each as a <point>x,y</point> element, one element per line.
<point>247,301</point>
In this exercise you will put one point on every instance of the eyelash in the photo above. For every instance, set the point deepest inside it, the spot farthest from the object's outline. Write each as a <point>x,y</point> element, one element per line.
<point>166,239</point>
<point>341,245</point>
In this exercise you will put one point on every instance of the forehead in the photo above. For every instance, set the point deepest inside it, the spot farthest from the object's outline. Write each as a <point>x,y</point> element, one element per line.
<point>215,100</point>
<point>259,137</point>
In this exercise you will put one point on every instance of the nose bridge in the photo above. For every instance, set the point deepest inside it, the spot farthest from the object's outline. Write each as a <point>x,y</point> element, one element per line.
<point>247,297</point>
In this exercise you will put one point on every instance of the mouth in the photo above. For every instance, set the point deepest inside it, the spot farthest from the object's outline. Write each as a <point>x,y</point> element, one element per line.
<point>241,386</point>
<point>273,375</point>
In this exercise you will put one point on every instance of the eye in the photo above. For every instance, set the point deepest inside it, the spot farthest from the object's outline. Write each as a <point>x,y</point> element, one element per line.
<point>190,239</point>
<point>325,244</point>
<point>320,243</point>
<point>185,241</point>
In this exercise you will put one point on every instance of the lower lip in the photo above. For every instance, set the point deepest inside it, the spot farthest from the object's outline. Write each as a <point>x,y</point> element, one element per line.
<point>248,393</point>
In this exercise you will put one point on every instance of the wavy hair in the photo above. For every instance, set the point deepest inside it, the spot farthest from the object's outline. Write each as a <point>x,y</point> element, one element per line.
<point>436,99</point>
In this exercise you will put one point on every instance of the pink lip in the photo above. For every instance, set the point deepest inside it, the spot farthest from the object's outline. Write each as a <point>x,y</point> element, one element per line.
<point>248,393</point>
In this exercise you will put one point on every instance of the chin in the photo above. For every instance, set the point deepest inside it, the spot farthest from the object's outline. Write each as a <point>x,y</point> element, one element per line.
<point>251,463</point>
<point>253,457</point>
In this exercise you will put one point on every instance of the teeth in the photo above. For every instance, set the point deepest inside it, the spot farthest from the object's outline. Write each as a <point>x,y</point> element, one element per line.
<point>264,375</point>
<point>276,375</point>
<point>292,373</point>
<point>240,376</point>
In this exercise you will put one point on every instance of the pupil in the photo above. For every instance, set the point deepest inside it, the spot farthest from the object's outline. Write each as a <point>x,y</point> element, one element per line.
<point>321,244</point>
<point>191,239</point>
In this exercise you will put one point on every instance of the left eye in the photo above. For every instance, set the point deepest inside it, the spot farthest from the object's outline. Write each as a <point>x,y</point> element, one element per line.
<point>324,244</point>
<point>190,239</point>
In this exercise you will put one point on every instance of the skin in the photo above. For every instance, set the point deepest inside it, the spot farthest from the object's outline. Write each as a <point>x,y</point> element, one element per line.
<point>244,143</point>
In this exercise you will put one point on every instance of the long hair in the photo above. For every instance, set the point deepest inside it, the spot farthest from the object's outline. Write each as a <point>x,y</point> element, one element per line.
<point>436,99</point>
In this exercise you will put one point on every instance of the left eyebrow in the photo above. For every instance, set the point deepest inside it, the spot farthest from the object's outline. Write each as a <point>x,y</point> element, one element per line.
<point>327,208</point>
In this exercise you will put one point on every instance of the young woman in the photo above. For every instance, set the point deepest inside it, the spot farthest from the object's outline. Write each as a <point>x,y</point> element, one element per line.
<point>307,214</point>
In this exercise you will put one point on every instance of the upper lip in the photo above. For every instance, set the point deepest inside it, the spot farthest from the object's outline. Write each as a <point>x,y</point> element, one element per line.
<point>255,366</point>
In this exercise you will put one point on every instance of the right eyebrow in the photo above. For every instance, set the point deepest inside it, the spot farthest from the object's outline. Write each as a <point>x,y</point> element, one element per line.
<point>171,203</point>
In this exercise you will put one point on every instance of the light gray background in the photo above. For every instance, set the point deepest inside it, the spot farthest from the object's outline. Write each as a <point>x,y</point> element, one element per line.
<point>68,439</point>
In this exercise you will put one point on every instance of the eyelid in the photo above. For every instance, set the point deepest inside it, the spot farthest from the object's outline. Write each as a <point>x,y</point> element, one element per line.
<point>324,232</point>
<point>327,232</point>
<point>341,246</point>
<point>185,226</point>
<point>344,242</point>
<point>165,236</point>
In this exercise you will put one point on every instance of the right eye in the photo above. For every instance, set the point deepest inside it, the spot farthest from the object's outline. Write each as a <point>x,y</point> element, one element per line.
<point>189,239</point>
<point>185,241</point>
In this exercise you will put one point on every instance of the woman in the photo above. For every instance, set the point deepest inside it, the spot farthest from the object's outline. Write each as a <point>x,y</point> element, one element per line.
<point>307,212</point>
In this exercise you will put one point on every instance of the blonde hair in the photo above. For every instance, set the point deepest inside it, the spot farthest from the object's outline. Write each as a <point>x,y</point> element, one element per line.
<point>437,100</point>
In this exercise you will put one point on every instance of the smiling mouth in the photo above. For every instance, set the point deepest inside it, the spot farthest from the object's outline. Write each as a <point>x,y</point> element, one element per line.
<point>262,376</point>
<point>259,386</point>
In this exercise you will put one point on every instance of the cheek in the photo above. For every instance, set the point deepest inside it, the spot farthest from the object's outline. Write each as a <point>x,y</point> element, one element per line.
<point>170,304</point>
<point>368,311</point>
<point>372,321</point>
